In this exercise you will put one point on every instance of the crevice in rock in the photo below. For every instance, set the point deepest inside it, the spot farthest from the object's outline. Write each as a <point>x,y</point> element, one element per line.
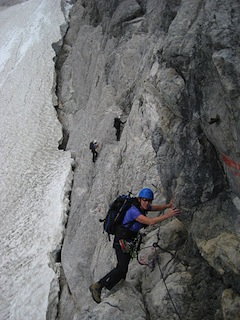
<point>55,264</point>
<point>55,256</point>
<point>59,59</point>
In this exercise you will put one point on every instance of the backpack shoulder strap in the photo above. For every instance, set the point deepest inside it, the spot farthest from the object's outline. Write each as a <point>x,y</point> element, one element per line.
<point>135,204</point>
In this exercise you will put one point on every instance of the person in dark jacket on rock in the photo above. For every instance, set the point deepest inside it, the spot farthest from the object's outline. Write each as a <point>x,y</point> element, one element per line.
<point>94,148</point>
<point>138,215</point>
<point>117,125</point>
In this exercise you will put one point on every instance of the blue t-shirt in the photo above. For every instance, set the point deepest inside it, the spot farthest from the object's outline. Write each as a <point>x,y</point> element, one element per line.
<point>131,215</point>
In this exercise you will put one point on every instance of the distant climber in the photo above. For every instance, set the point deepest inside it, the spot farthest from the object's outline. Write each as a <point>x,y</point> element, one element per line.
<point>94,148</point>
<point>117,125</point>
<point>216,120</point>
<point>126,233</point>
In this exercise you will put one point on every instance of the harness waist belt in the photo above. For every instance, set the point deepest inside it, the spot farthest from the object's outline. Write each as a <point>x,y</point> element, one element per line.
<point>124,233</point>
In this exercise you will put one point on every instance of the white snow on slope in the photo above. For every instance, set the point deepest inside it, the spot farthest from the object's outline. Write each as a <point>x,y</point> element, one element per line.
<point>34,175</point>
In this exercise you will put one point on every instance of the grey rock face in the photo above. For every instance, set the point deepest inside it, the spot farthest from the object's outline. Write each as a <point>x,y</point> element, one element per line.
<point>171,70</point>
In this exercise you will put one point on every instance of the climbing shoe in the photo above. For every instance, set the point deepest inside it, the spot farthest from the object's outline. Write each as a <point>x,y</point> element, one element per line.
<point>95,290</point>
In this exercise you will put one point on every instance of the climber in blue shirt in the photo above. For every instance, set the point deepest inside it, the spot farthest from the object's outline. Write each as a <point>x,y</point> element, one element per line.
<point>134,219</point>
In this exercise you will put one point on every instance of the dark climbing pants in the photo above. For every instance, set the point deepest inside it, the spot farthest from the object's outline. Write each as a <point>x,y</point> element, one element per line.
<point>95,155</point>
<point>118,273</point>
<point>118,133</point>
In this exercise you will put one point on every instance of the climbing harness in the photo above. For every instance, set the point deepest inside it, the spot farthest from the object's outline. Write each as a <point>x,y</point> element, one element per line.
<point>126,246</point>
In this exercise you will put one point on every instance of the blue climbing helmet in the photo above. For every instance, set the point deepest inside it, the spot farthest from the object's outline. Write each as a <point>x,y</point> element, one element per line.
<point>146,193</point>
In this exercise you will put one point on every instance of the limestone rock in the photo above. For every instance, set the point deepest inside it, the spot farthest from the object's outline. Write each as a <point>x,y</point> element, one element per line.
<point>171,70</point>
<point>222,252</point>
<point>230,305</point>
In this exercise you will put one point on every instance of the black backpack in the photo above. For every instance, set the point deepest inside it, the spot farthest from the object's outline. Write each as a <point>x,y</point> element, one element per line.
<point>91,146</point>
<point>116,123</point>
<point>116,213</point>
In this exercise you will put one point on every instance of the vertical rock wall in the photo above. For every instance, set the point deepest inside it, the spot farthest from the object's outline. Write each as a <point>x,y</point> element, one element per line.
<point>171,70</point>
